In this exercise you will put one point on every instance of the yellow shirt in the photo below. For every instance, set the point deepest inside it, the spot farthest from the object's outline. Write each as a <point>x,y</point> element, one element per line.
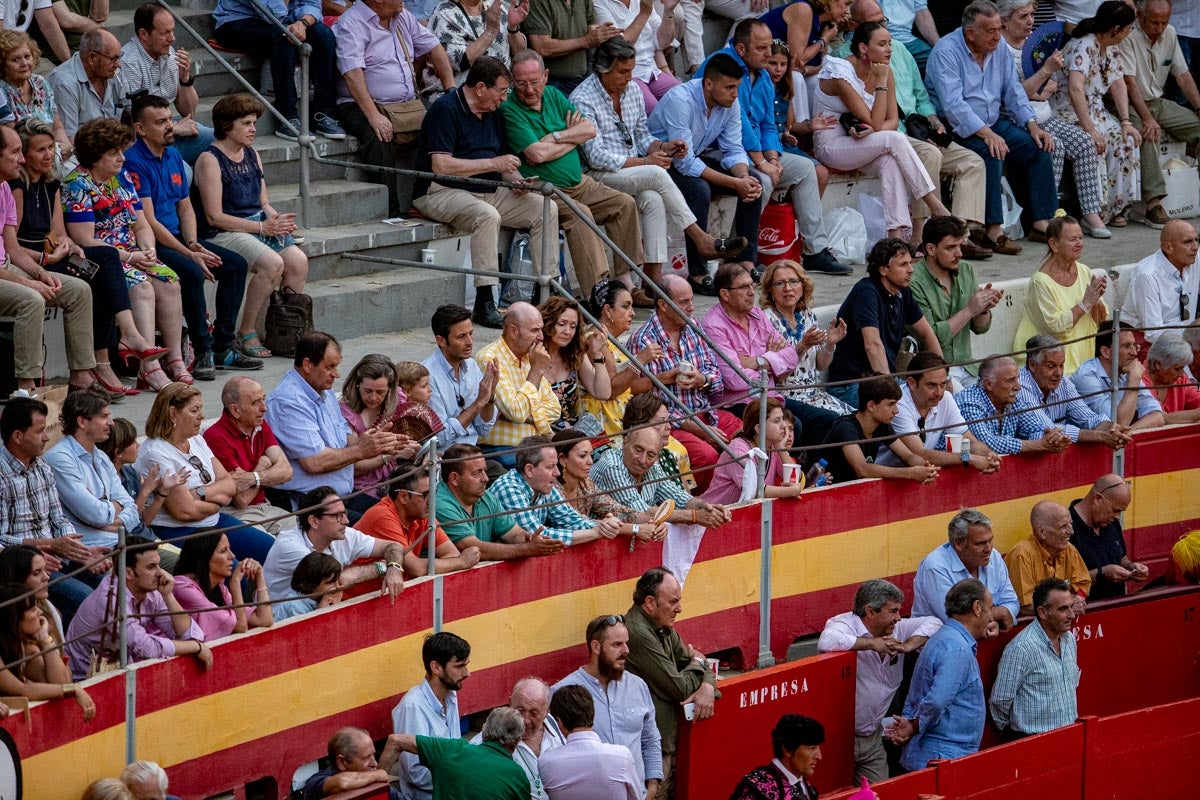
<point>517,400</point>
<point>1029,563</point>
<point>1048,307</point>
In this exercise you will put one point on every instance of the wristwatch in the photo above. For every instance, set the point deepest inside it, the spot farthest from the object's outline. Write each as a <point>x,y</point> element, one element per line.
<point>556,136</point>
<point>965,458</point>
<point>200,492</point>
<point>761,361</point>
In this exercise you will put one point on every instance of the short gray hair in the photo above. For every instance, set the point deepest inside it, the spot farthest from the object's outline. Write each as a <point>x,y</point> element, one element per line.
<point>528,54</point>
<point>1170,352</point>
<point>526,683</point>
<point>1038,346</point>
<point>991,364</point>
<point>504,726</point>
<point>606,56</point>
<point>979,9</point>
<point>963,521</point>
<point>139,772</point>
<point>963,595</point>
<point>1142,5</point>
<point>92,41</point>
<point>1009,7</point>
<point>874,594</point>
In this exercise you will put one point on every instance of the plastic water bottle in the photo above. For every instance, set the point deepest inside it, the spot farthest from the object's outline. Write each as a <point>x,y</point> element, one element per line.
<point>816,475</point>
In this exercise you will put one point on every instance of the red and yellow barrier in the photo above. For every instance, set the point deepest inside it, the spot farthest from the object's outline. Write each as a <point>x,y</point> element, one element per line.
<point>274,696</point>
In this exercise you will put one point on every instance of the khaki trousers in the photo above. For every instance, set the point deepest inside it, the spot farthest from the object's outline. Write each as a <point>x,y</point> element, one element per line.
<point>482,214</point>
<point>617,212</point>
<point>28,308</point>
<point>257,515</point>
<point>966,173</point>
<point>870,759</point>
<point>1175,120</point>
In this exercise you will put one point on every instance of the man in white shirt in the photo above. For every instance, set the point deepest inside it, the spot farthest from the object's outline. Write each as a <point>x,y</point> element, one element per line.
<point>1163,286</point>
<point>325,530</point>
<point>531,696</point>
<point>585,768</point>
<point>431,707</point>
<point>882,638</point>
<point>925,415</point>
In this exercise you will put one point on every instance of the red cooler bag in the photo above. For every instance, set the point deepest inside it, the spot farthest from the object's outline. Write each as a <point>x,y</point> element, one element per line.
<point>777,235</point>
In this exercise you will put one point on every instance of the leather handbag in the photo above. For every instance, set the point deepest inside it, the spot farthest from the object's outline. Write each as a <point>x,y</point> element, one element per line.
<point>921,128</point>
<point>289,315</point>
<point>406,117</point>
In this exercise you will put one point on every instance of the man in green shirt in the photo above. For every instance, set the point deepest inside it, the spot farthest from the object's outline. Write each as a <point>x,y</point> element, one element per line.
<point>944,287</point>
<point>545,130</point>
<point>958,164</point>
<point>464,771</point>
<point>473,518</point>
<point>677,674</point>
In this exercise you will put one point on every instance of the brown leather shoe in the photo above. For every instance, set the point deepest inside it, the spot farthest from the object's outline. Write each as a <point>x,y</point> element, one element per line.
<point>642,298</point>
<point>1035,235</point>
<point>974,252</point>
<point>1005,247</point>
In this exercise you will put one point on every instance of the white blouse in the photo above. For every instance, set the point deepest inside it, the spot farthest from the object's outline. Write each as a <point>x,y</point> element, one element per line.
<point>841,69</point>
<point>170,459</point>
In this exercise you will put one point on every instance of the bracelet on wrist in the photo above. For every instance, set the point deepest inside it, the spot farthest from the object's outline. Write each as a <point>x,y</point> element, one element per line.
<point>187,83</point>
<point>512,31</point>
<point>881,88</point>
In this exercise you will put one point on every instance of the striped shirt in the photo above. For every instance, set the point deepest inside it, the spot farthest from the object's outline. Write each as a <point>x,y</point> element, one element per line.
<point>1003,435</point>
<point>692,349</point>
<point>560,521</point>
<point>610,474</point>
<point>617,138</point>
<point>1035,687</point>
<point>140,70</point>
<point>29,504</point>
<point>1066,410</point>
<point>517,400</point>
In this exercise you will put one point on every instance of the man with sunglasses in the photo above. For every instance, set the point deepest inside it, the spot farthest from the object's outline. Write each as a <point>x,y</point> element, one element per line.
<point>1164,285</point>
<point>624,709</point>
<point>88,87</point>
<point>1097,535</point>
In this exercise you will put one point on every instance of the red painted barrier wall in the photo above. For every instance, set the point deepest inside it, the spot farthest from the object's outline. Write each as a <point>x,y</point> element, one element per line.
<point>1150,753</point>
<point>738,737</point>
<point>1045,766</point>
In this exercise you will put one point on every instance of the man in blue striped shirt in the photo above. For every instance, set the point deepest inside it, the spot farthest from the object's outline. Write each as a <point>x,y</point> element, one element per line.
<point>1039,674</point>
<point>996,419</point>
<point>1042,384</point>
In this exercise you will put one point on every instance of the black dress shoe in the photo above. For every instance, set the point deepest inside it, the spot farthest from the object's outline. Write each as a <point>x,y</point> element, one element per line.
<point>826,262</point>
<point>487,316</point>
<point>703,286</point>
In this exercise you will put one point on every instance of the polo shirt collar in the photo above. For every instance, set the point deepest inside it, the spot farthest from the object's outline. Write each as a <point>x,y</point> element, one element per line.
<point>143,151</point>
<point>77,69</point>
<point>887,293</point>
<point>229,424</point>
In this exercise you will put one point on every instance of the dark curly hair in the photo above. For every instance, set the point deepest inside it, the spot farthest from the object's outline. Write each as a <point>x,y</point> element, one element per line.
<point>99,137</point>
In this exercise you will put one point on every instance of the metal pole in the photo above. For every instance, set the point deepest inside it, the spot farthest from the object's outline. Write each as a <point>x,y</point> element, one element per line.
<point>765,657</point>
<point>762,431</point>
<point>123,650</point>
<point>549,265</point>
<point>431,535</point>
<point>1114,374</point>
<point>306,137</point>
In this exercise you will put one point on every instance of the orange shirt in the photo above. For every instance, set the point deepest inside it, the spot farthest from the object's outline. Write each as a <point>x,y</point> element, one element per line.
<point>1029,563</point>
<point>382,521</point>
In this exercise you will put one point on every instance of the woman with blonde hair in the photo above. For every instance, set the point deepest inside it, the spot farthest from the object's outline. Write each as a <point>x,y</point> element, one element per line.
<point>173,443</point>
<point>29,95</point>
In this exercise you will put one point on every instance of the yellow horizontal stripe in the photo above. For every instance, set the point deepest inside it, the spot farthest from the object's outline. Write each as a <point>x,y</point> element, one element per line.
<point>241,715</point>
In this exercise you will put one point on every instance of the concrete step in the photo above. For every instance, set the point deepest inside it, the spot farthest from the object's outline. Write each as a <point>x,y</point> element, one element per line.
<point>120,24</point>
<point>329,249</point>
<point>281,159</point>
<point>213,80</point>
<point>382,302</point>
<point>332,203</point>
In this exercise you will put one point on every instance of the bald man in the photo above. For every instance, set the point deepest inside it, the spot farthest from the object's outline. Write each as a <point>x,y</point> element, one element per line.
<point>531,696</point>
<point>88,87</point>
<point>1096,520</point>
<point>525,403</point>
<point>1163,286</point>
<point>1047,553</point>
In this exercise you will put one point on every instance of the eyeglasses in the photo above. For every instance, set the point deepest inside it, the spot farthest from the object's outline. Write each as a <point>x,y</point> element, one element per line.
<point>205,475</point>
<point>111,59</point>
<point>1185,312</point>
<point>625,133</point>
<point>335,514</point>
<point>788,283</point>
<point>1112,486</point>
<point>458,398</point>
<point>601,623</point>
<point>743,287</point>
<point>422,495</point>
<point>921,427</point>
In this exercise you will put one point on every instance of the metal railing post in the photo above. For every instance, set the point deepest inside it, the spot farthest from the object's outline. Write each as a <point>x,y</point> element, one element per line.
<point>1114,374</point>
<point>762,432</point>
<point>123,649</point>
<point>431,534</point>
<point>765,657</point>
<point>549,237</point>
<point>307,140</point>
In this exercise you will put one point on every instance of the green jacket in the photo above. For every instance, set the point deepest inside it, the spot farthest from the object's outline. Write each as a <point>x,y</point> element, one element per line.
<point>939,306</point>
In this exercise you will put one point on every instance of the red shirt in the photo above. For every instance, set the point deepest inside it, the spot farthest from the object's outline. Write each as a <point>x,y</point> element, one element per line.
<point>382,521</point>
<point>1183,396</point>
<point>235,449</point>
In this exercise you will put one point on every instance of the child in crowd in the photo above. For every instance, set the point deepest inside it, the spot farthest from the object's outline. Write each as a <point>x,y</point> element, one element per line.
<point>414,380</point>
<point>726,486</point>
<point>316,574</point>
<point>786,102</point>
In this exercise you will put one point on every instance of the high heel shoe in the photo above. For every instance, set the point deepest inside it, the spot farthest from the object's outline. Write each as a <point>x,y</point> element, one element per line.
<point>112,390</point>
<point>179,374</point>
<point>151,353</point>
<point>154,380</point>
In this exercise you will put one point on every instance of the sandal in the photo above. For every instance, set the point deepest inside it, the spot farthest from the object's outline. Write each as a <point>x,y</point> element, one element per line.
<point>179,374</point>
<point>155,380</point>
<point>1119,221</point>
<point>252,350</point>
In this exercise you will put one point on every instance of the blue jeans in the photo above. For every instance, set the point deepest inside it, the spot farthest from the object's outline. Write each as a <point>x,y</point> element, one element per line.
<point>1191,53</point>
<point>848,394</point>
<point>507,460</point>
<point>263,40</point>
<point>697,193</point>
<point>190,147</point>
<point>231,286</point>
<point>1031,173</point>
<point>246,541</point>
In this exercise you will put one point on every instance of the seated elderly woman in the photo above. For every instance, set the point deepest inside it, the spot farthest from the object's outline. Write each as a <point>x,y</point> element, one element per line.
<point>29,94</point>
<point>173,443</point>
<point>101,207</point>
<point>578,364</point>
<point>233,195</point>
<point>1165,374</point>
<point>1064,299</point>
<point>873,145</point>
<point>208,582</point>
<point>315,584</point>
<point>25,634</point>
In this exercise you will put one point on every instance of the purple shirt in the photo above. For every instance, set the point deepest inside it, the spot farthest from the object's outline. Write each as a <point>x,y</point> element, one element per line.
<point>8,212</point>
<point>363,44</point>
<point>215,622</point>
<point>151,636</point>
<point>732,338</point>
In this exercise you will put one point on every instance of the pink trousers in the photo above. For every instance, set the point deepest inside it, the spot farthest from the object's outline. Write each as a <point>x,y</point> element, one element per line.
<point>887,154</point>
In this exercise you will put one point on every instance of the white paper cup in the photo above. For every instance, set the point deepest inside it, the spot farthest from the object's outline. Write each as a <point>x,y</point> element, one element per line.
<point>714,664</point>
<point>689,711</point>
<point>791,473</point>
<point>686,367</point>
<point>427,256</point>
<point>954,442</point>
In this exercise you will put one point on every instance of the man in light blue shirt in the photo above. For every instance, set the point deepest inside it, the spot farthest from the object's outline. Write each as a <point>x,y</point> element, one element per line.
<point>1042,384</point>
<point>750,48</point>
<point>624,710</point>
<point>431,707</point>
<point>704,114</point>
<point>902,15</point>
<point>970,79</point>
<point>463,393</point>
<point>967,554</point>
<point>945,710</point>
<point>1137,407</point>
<point>92,495</point>
<point>308,423</point>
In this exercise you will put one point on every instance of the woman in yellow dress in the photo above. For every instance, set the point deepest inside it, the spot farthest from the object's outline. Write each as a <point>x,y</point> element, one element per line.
<point>1064,299</point>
